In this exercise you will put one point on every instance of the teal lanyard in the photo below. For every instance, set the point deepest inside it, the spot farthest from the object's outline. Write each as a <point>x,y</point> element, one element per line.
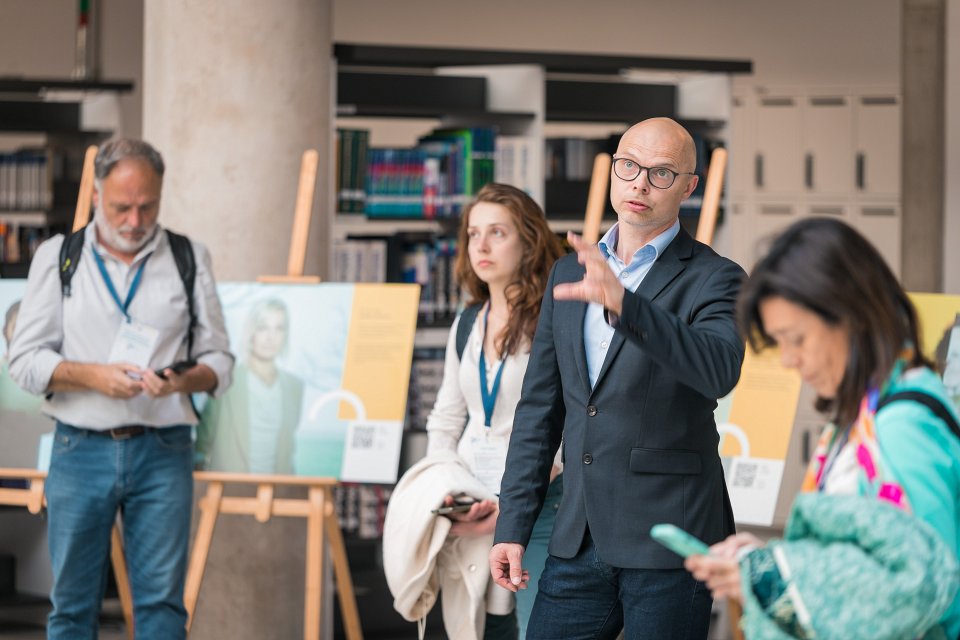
<point>489,397</point>
<point>113,291</point>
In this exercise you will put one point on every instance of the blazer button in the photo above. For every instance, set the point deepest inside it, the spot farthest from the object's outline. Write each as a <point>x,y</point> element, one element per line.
<point>587,458</point>
<point>591,411</point>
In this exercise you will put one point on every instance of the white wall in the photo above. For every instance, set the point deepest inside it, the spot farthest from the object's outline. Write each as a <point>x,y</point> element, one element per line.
<point>951,236</point>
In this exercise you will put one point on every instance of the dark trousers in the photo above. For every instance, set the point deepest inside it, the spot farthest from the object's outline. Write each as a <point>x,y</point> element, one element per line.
<point>583,598</point>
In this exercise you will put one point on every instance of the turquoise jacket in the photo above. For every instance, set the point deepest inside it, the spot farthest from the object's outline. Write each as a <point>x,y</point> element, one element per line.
<point>924,457</point>
<point>854,568</point>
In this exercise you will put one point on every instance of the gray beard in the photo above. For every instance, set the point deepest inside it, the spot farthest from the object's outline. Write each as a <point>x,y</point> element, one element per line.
<point>111,237</point>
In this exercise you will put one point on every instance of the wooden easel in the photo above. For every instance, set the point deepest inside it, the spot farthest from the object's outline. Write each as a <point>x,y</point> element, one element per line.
<point>711,196</point>
<point>318,508</point>
<point>301,224</point>
<point>596,197</point>
<point>705,229</point>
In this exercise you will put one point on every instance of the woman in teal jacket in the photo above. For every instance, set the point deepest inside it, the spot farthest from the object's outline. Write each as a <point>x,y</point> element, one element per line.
<point>826,298</point>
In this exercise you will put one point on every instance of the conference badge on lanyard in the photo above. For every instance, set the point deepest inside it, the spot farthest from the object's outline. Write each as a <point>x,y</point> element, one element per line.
<point>489,452</point>
<point>135,341</point>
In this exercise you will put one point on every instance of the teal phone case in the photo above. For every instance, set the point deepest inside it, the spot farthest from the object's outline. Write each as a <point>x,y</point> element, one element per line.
<point>678,540</point>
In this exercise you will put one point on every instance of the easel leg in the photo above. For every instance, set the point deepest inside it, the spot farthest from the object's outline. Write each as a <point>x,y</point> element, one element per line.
<point>314,586</point>
<point>209,509</point>
<point>341,569</point>
<point>123,579</point>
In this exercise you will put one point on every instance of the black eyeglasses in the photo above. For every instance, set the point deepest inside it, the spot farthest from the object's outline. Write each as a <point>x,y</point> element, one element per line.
<point>659,177</point>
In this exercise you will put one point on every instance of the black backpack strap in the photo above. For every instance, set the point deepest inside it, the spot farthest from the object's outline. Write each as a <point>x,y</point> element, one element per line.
<point>930,402</point>
<point>70,253</point>
<point>467,317</point>
<point>187,267</point>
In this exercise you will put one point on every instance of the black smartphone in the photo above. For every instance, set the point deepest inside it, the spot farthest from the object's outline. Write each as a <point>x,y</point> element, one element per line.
<point>177,367</point>
<point>461,504</point>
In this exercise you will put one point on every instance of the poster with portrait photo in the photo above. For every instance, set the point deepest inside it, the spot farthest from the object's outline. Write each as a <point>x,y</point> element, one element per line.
<point>320,381</point>
<point>22,426</point>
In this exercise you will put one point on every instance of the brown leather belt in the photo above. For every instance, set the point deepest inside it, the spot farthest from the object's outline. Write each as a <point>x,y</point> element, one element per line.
<point>123,433</point>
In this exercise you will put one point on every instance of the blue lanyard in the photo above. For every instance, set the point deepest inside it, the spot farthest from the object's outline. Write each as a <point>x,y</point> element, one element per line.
<point>113,292</point>
<point>489,397</point>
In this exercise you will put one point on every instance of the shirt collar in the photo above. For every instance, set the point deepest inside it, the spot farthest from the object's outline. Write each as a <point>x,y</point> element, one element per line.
<point>608,243</point>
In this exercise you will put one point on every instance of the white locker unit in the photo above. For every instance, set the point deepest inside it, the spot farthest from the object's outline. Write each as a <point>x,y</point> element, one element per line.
<point>878,146</point>
<point>828,138</point>
<point>777,165</point>
<point>799,152</point>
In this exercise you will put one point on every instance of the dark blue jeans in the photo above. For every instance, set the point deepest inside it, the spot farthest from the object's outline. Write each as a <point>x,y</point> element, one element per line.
<point>584,598</point>
<point>149,480</point>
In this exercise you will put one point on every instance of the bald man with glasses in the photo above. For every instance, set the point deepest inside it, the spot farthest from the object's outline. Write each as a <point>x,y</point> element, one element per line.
<point>635,343</point>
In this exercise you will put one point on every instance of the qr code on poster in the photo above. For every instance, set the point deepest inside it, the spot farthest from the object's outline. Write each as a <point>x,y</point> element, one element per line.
<point>745,474</point>
<point>364,436</point>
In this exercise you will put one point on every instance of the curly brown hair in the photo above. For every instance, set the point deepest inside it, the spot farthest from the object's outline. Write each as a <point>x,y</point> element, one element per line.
<point>541,248</point>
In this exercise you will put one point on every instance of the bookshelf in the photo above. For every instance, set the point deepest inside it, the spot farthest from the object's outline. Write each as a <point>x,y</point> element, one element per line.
<point>526,93</point>
<point>45,126</point>
<point>530,97</point>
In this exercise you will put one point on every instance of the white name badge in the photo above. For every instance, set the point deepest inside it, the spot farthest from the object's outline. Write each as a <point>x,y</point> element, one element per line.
<point>489,458</point>
<point>135,343</point>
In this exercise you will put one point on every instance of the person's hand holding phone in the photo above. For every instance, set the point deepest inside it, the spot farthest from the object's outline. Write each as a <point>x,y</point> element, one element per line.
<point>720,568</point>
<point>471,517</point>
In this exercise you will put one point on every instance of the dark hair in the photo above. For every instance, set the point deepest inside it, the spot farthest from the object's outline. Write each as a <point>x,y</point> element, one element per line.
<point>113,151</point>
<point>826,267</point>
<point>541,248</point>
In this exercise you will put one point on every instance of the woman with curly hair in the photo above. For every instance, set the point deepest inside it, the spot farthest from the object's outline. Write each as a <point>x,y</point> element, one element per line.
<point>506,250</point>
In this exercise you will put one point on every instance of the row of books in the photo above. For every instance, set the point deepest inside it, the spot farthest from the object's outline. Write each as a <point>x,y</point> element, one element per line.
<point>512,162</point>
<point>572,158</point>
<point>421,259</point>
<point>361,508</point>
<point>18,243</point>
<point>426,374</point>
<point>431,265</point>
<point>433,179</point>
<point>359,261</point>
<point>352,146</point>
<point>26,180</point>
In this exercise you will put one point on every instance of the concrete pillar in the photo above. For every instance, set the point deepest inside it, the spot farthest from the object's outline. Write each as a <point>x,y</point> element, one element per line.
<point>233,93</point>
<point>951,235</point>
<point>922,183</point>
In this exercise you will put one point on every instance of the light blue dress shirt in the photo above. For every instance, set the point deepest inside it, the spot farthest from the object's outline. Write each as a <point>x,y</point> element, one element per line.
<point>596,331</point>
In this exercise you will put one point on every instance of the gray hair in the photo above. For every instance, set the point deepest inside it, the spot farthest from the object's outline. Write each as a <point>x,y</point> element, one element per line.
<point>119,149</point>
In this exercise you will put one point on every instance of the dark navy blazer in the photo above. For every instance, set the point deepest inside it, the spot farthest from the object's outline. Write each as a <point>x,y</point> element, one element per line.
<point>640,448</point>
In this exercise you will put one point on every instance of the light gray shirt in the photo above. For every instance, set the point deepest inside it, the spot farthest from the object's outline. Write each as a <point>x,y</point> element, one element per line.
<point>597,332</point>
<point>82,327</point>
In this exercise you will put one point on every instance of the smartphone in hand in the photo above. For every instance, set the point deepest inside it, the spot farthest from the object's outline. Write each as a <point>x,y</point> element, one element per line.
<point>461,504</point>
<point>176,367</point>
<point>678,540</point>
